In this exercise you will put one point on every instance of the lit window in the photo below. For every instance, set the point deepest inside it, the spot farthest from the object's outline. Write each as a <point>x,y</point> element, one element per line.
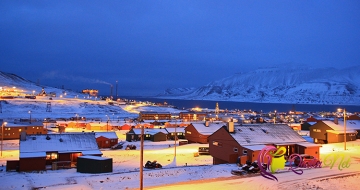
<point>188,132</point>
<point>19,130</point>
<point>107,142</point>
<point>216,143</point>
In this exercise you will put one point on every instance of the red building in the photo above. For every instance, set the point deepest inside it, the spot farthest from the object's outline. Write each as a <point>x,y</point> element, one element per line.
<point>14,129</point>
<point>199,132</point>
<point>106,139</point>
<point>228,144</point>
<point>41,152</point>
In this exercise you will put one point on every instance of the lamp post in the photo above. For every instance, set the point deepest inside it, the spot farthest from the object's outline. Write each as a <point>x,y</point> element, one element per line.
<point>141,156</point>
<point>107,123</point>
<point>344,129</point>
<point>30,116</point>
<point>2,136</point>
<point>275,117</point>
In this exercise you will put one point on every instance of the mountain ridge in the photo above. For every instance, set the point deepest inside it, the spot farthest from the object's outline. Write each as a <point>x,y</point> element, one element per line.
<point>280,85</point>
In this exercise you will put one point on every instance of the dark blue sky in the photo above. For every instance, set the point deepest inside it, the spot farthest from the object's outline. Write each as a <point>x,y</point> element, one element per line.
<point>149,46</point>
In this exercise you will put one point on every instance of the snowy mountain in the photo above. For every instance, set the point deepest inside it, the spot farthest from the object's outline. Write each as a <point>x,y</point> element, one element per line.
<point>9,81</point>
<point>281,85</point>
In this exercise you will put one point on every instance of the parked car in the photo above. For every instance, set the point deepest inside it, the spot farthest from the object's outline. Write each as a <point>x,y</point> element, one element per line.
<point>306,160</point>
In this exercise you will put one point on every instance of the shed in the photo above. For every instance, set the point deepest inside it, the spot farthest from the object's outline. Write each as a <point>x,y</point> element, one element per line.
<point>94,164</point>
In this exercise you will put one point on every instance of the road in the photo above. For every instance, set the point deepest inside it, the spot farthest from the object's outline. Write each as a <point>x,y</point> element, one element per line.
<point>287,180</point>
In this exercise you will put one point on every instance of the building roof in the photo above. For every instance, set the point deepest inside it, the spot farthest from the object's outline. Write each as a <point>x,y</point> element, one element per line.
<point>74,142</point>
<point>150,131</point>
<point>255,147</point>
<point>24,124</point>
<point>350,125</point>
<point>178,129</point>
<point>109,135</point>
<point>256,134</point>
<point>201,128</point>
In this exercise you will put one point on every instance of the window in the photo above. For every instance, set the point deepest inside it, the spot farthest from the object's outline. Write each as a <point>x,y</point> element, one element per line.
<point>51,156</point>
<point>235,150</point>
<point>244,152</point>
<point>188,132</point>
<point>216,143</point>
<point>19,130</point>
<point>107,142</point>
<point>316,130</point>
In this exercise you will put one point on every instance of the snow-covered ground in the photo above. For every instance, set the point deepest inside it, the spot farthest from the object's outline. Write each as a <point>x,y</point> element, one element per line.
<point>189,172</point>
<point>185,171</point>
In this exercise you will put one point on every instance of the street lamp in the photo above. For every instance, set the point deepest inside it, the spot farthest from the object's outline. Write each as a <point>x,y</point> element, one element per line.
<point>30,116</point>
<point>107,123</point>
<point>344,113</point>
<point>2,135</point>
<point>275,117</point>
<point>141,156</point>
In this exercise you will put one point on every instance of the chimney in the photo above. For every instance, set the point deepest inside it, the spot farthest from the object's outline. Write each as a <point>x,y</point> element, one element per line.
<point>207,123</point>
<point>230,126</point>
<point>336,121</point>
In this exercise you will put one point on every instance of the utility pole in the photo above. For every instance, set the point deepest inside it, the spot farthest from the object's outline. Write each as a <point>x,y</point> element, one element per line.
<point>344,129</point>
<point>141,157</point>
<point>116,90</point>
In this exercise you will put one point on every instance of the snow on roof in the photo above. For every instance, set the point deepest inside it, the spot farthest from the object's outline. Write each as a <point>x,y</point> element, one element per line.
<point>155,131</point>
<point>95,157</point>
<point>265,134</point>
<point>308,144</point>
<point>75,142</point>
<point>350,124</point>
<point>24,124</point>
<point>311,123</point>
<point>255,147</point>
<point>178,130</point>
<point>109,135</point>
<point>201,128</point>
<point>150,131</point>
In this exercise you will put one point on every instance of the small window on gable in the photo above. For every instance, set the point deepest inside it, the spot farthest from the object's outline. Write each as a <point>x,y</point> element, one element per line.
<point>235,150</point>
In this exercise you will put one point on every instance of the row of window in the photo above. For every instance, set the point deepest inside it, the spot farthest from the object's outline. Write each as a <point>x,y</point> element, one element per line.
<point>9,128</point>
<point>316,130</point>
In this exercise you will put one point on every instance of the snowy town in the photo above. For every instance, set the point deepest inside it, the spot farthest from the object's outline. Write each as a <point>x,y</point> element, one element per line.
<point>45,143</point>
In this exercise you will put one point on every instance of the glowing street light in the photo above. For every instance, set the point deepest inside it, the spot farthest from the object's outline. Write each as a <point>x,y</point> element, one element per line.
<point>33,92</point>
<point>344,113</point>
<point>2,135</point>
<point>30,116</point>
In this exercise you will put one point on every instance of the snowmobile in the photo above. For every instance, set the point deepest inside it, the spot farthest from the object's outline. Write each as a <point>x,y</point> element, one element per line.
<point>152,165</point>
<point>248,168</point>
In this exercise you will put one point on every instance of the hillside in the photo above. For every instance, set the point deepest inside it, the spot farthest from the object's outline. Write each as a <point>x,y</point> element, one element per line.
<point>281,85</point>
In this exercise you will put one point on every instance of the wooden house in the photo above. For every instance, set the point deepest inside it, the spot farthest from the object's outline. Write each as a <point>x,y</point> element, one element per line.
<point>324,132</point>
<point>12,130</point>
<point>106,139</point>
<point>149,134</point>
<point>199,132</point>
<point>41,152</point>
<point>179,132</point>
<point>99,126</point>
<point>228,144</point>
<point>148,115</point>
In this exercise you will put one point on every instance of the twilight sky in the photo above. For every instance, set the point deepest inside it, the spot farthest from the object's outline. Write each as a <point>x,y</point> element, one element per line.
<point>149,46</point>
